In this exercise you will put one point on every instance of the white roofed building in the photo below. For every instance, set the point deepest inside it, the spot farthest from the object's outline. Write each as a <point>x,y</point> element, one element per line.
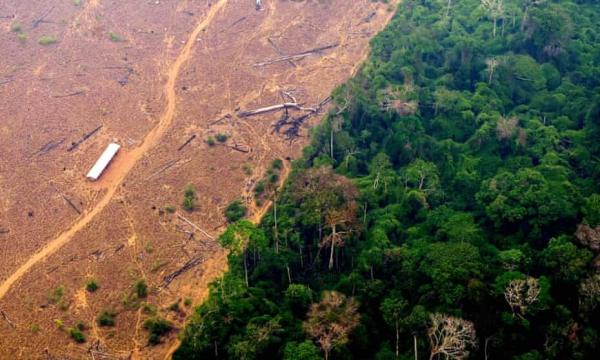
<point>103,161</point>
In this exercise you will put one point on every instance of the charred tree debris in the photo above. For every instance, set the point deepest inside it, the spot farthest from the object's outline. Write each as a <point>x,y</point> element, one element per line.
<point>296,56</point>
<point>295,123</point>
<point>8,320</point>
<point>7,16</point>
<point>286,105</point>
<point>4,231</point>
<point>120,77</point>
<point>51,145</point>
<point>36,22</point>
<point>66,199</point>
<point>188,265</point>
<point>85,137</point>
<point>370,17</point>
<point>187,142</point>
<point>123,81</point>
<point>119,248</point>
<point>72,259</point>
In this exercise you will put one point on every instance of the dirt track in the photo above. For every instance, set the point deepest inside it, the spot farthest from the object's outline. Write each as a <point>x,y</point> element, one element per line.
<point>191,64</point>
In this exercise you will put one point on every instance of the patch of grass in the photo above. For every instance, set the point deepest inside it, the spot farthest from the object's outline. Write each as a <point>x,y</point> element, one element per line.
<point>210,141</point>
<point>277,164</point>
<point>170,209</point>
<point>247,169</point>
<point>187,302</point>
<point>46,40</point>
<point>77,2</point>
<point>273,178</point>
<point>140,288</point>
<point>174,306</point>
<point>98,18</point>
<point>259,188</point>
<point>221,138</point>
<point>23,38</point>
<point>157,327</point>
<point>92,285</point>
<point>148,309</point>
<point>106,318</point>
<point>158,264</point>
<point>35,328</point>
<point>76,335</point>
<point>16,27</point>
<point>189,200</point>
<point>104,109</point>
<point>149,248</point>
<point>114,37</point>
<point>235,211</point>
<point>59,324</point>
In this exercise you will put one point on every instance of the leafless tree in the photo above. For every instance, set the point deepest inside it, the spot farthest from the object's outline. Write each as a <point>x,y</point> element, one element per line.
<point>331,320</point>
<point>451,336</point>
<point>495,9</point>
<point>491,63</point>
<point>521,293</point>
<point>588,237</point>
<point>590,293</point>
<point>505,127</point>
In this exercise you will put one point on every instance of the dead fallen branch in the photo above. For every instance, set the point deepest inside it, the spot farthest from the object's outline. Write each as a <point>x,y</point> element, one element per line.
<point>279,52</point>
<point>8,320</point>
<point>7,16</point>
<point>237,148</point>
<point>296,56</point>
<point>4,231</point>
<point>123,81</point>
<point>78,92</point>
<point>65,199</point>
<point>5,81</point>
<point>119,248</point>
<point>370,17</point>
<point>41,19</point>
<point>85,137</point>
<point>237,22</point>
<point>295,123</point>
<point>187,142</point>
<point>194,226</point>
<point>162,169</point>
<point>49,146</point>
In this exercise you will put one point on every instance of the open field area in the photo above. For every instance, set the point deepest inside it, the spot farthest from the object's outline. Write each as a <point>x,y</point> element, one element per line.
<point>148,75</point>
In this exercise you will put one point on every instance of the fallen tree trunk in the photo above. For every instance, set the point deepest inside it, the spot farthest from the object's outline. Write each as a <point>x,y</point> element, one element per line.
<point>187,142</point>
<point>274,108</point>
<point>296,56</point>
<point>280,53</point>
<point>41,19</point>
<point>190,264</point>
<point>194,226</point>
<point>65,199</point>
<point>8,320</point>
<point>162,169</point>
<point>85,137</point>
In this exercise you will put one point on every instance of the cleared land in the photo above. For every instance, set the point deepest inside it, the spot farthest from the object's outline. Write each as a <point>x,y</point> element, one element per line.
<point>151,74</point>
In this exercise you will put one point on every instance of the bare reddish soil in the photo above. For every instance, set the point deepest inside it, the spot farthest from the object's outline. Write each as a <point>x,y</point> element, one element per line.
<point>178,66</point>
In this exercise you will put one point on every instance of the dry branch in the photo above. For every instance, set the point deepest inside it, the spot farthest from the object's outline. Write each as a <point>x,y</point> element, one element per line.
<point>296,56</point>
<point>4,231</point>
<point>65,199</point>
<point>163,168</point>
<point>41,19</point>
<point>187,142</point>
<point>78,92</point>
<point>194,226</point>
<point>85,137</point>
<point>237,22</point>
<point>7,16</point>
<point>228,116</point>
<point>8,320</point>
<point>274,108</point>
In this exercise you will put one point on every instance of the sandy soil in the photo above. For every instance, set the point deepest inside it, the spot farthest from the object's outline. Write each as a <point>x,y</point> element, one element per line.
<point>179,66</point>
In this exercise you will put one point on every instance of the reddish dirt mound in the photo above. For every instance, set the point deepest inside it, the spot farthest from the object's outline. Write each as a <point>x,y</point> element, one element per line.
<point>152,74</point>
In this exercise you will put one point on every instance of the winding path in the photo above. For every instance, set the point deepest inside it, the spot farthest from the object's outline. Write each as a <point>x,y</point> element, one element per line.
<point>128,162</point>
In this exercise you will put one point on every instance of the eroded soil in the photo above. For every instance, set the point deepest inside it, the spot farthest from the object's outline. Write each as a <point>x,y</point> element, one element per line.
<point>152,73</point>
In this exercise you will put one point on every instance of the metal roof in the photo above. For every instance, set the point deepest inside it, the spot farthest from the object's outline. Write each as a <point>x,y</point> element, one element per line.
<point>103,161</point>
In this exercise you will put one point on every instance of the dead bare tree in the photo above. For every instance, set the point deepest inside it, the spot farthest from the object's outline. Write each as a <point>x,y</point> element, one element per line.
<point>505,127</point>
<point>521,293</point>
<point>589,291</point>
<point>491,63</point>
<point>451,336</point>
<point>495,9</point>
<point>331,320</point>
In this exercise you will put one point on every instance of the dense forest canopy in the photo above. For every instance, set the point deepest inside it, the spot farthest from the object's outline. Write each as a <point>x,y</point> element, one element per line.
<point>448,206</point>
